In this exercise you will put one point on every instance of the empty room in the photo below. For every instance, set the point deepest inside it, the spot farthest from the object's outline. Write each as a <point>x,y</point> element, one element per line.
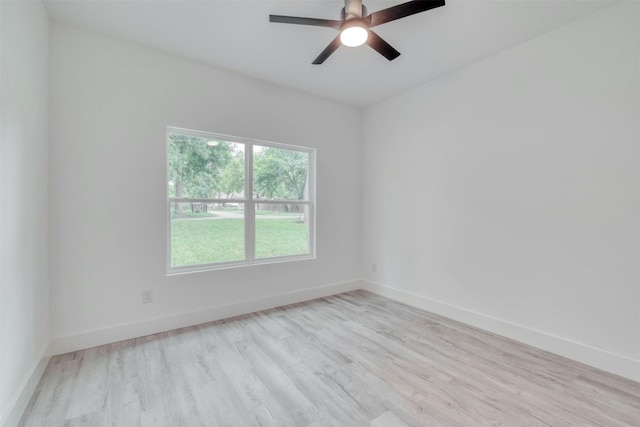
<point>319,213</point>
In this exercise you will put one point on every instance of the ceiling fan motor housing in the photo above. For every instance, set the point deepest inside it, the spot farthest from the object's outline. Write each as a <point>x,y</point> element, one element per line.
<point>345,17</point>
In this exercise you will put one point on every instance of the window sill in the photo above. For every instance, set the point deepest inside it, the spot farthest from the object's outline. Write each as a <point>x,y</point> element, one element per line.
<point>203,268</point>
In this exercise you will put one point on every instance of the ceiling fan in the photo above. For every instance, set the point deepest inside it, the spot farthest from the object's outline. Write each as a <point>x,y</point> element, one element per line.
<point>355,25</point>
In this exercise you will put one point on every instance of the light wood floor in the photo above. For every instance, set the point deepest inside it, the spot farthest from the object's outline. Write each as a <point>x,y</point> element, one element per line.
<point>354,359</point>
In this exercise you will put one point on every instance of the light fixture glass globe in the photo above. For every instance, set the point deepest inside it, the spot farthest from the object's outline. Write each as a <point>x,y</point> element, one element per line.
<point>354,36</point>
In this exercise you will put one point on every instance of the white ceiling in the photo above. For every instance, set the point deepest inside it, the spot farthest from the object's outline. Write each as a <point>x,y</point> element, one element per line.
<point>236,35</point>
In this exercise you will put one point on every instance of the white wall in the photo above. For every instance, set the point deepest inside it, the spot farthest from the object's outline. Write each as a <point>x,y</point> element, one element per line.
<point>110,104</point>
<point>24,285</point>
<point>506,194</point>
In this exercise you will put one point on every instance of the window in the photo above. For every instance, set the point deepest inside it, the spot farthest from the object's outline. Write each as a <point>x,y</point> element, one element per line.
<point>234,201</point>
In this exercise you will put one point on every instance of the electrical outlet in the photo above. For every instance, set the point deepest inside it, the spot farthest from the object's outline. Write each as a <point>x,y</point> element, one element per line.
<point>374,267</point>
<point>147,296</point>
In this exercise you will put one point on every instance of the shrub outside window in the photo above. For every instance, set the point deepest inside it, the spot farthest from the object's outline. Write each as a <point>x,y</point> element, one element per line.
<point>234,201</point>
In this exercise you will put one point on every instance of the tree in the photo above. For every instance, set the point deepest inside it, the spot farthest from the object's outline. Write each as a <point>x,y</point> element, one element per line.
<point>232,179</point>
<point>265,176</point>
<point>195,166</point>
<point>280,174</point>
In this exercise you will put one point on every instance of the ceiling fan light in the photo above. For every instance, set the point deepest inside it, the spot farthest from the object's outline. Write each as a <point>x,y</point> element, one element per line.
<point>354,36</point>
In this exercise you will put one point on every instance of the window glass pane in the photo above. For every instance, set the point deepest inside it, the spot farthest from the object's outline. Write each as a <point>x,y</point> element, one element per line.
<point>281,230</point>
<point>279,173</point>
<point>204,233</point>
<point>205,168</point>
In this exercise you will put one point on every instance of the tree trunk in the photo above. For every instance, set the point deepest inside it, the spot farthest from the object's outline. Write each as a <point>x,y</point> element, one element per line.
<point>178,208</point>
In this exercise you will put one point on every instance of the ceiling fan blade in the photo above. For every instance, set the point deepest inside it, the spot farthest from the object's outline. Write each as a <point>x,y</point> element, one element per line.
<point>382,47</point>
<point>335,44</point>
<point>353,8</point>
<point>305,21</point>
<point>401,11</point>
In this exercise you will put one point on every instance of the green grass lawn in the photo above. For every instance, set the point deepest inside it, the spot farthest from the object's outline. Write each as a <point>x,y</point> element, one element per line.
<point>203,241</point>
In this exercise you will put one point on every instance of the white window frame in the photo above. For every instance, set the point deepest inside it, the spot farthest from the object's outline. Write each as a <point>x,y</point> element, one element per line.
<point>248,201</point>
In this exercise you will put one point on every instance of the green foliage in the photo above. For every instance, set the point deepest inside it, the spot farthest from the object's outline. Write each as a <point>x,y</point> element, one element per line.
<point>195,168</point>
<point>232,179</point>
<point>199,169</point>
<point>203,241</point>
<point>280,174</point>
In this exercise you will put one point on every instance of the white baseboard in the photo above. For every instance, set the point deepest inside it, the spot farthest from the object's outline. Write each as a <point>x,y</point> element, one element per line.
<point>15,409</point>
<point>69,343</point>
<point>598,358</point>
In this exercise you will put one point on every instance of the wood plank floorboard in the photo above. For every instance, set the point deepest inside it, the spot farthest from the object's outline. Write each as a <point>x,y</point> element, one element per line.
<point>355,359</point>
